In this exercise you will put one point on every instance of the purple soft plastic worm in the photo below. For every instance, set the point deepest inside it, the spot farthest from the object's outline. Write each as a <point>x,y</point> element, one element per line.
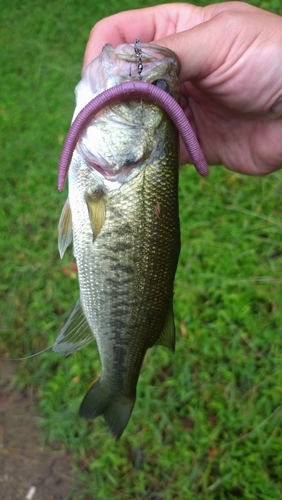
<point>122,92</point>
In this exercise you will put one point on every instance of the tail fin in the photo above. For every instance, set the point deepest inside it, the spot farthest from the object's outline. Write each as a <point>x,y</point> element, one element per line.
<point>115,409</point>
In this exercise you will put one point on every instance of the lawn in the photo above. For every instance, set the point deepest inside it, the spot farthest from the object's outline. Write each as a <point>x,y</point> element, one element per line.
<point>207,421</point>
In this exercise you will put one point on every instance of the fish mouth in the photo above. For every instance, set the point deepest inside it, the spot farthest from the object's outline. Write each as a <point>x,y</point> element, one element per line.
<point>150,53</point>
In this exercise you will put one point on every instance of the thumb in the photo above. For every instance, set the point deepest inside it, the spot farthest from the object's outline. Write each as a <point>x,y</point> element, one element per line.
<point>205,47</point>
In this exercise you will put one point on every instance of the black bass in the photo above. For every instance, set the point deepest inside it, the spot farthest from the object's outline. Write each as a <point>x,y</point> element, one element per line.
<point>122,213</point>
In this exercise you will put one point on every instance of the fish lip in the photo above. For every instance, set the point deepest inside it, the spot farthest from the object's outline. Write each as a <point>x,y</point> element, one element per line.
<point>146,58</point>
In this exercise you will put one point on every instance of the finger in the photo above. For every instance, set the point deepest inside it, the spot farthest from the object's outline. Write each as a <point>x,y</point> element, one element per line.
<point>152,23</point>
<point>225,33</point>
<point>147,24</point>
<point>120,28</point>
<point>200,49</point>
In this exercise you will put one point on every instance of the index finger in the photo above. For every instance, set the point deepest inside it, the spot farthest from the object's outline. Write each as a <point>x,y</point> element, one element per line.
<point>148,24</point>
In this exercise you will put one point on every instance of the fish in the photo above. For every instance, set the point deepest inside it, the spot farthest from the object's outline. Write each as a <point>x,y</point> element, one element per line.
<point>122,215</point>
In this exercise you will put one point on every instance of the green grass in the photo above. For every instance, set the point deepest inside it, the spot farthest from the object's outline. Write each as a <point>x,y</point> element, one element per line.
<point>207,421</point>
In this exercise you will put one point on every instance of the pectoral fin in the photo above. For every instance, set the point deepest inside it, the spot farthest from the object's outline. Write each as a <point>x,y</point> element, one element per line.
<point>75,334</point>
<point>65,228</point>
<point>167,337</point>
<point>97,211</point>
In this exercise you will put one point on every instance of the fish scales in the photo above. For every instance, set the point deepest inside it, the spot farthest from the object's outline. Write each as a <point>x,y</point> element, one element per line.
<point>127,271</point>
<point>126,241</point>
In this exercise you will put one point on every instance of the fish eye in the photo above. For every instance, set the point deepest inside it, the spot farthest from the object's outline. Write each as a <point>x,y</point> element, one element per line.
<point>162,84</point>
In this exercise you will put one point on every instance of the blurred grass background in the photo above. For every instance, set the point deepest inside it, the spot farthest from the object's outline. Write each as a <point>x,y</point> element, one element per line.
<point>207,421</point>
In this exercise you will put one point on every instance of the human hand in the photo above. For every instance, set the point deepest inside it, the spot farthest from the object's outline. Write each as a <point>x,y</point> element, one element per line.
<point>231,75</point>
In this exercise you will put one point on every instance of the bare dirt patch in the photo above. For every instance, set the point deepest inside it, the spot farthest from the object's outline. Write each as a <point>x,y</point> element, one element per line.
<point>27,471</point>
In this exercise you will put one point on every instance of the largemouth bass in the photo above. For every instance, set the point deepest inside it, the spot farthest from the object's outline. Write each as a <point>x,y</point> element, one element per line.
<point>122,212</point>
